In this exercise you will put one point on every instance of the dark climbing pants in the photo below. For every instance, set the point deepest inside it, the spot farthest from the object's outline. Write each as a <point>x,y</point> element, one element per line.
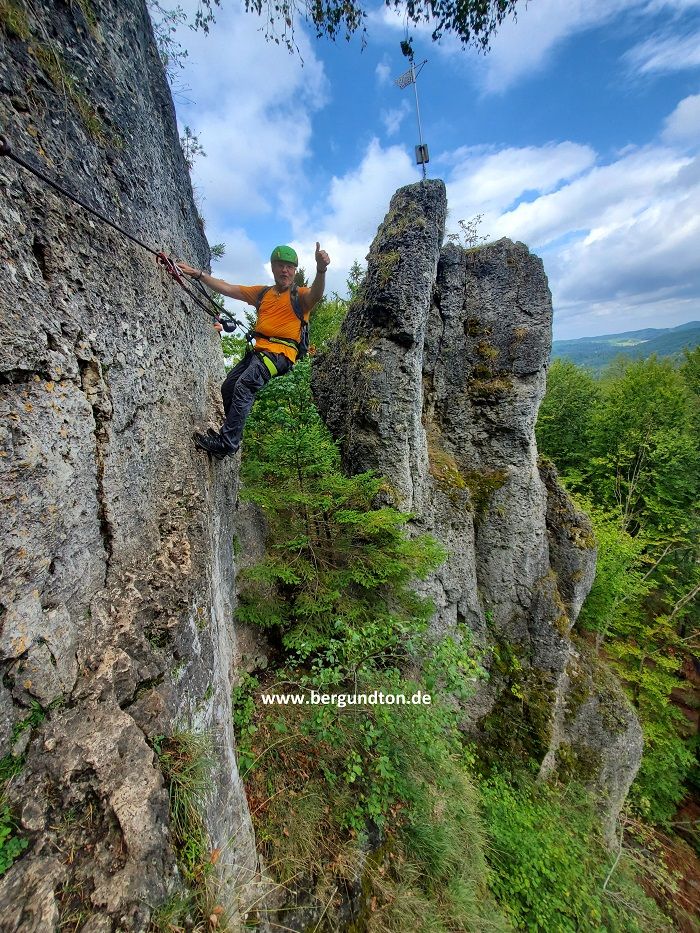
<point>239,388</point>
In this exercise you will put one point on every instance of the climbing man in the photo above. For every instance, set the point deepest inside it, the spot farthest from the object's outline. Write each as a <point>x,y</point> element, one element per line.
<point>279,329</point>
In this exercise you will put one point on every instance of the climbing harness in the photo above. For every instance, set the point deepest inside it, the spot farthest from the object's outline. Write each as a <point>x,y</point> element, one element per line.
<point>302,344</point>
<point>212,309</point>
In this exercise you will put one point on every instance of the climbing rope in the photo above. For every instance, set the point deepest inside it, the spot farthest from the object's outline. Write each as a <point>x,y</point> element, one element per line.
<point>170,266</point>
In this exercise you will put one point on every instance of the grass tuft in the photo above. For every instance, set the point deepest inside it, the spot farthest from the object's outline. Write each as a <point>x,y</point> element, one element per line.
<point>54,67</point>
<point>89,15</point>
<point>185,759</point>
<point>14,21</point>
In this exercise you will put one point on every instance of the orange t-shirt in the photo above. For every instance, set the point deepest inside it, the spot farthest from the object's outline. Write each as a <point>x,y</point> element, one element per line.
<point>276,317</point>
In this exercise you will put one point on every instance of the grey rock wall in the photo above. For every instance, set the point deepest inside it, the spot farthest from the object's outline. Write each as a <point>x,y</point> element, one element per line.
<point>435,382</point>
<point>116,537</point>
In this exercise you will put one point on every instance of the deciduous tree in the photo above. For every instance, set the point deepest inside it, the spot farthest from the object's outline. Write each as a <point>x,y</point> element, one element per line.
<point>471,21</point>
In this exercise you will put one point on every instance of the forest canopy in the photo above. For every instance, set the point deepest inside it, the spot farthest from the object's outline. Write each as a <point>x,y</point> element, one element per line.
<point>627,445</point>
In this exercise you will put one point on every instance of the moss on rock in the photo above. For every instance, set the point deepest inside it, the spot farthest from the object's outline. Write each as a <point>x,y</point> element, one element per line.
<point>578,762</point>
<point>485,388</point>
<point>482,485</point>
<point>518,729</point>
<point>386,264</point>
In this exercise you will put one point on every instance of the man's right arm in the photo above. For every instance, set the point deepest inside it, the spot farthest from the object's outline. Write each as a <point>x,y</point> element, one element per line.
<point>216,285</point>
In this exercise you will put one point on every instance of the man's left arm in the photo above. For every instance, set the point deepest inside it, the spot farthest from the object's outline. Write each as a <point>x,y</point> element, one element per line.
<point>318,286</point>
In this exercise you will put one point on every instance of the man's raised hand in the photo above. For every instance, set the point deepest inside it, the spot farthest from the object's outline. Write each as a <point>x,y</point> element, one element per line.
<point>322,259</point>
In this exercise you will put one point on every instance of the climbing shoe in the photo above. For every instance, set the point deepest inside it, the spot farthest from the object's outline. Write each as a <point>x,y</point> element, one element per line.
<point>213,445</point>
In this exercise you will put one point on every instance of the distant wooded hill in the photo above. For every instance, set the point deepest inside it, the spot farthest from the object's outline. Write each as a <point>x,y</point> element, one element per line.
<point>596,352</point>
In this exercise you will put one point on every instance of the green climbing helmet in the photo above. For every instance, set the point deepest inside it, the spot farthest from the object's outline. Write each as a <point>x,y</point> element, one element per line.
<point>284,254</point>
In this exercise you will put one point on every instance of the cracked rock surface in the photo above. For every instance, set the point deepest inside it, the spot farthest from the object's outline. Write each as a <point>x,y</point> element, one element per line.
<point>435,382</point>
<point>116,578</point>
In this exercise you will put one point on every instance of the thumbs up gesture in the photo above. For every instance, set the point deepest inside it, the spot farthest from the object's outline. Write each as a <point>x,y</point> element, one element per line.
<point>322,259</point>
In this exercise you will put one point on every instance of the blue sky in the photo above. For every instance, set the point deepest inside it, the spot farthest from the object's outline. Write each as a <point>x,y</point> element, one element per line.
<point>578,133</point>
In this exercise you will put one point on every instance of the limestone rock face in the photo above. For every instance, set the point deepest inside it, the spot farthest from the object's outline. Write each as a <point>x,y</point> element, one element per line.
<point>435,382</point>
<point>116,535</point>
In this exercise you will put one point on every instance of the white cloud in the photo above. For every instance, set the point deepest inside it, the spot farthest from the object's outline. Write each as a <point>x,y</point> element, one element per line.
<point>631,235</point>
<point>489,182</point>
<point>683,125</point>
<point>521,46</point>
<point>679,6</point>
<point>646,257</point>
<point>605,197</point>
<point>392,119</point>
<point>342,253</point>
<point>386,17</point>
<point>355,207</point>
<point>358,200</point>
<point>664,54</point>
<point>251,106</point>
<point>242,258</point>
<point>524,46</point>
<point>383,73</point>
<point>620,240</point>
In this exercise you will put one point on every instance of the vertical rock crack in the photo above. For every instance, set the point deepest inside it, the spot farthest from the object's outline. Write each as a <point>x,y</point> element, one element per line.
<point>96,391</point>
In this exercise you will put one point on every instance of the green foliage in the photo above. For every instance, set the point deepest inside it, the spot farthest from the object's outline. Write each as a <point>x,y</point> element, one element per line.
<point>469,236</point>
<point>324,777</point>
<point>32,720</point>
<point>243,713</point>
<point>185,759</point>
<point>334,592</point>
<point>165,25</point>
<point>563,424</point>
<point>690,370</point>
<point>177,915</point>
<point>11,846</point>
<point>335,579</point>
<point>192,149</point>
<point>326,319</point>
<point>355,279</point>
<point>233,348</point>
<point>645,458</point>
<point>327,782</point>
<point>551,865</point>
<point>630,444</point>
<point>620,584</point>
<point>10,766</point>
<point>661,784</point>
<point>86,8</point>
<point>470,21</point>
